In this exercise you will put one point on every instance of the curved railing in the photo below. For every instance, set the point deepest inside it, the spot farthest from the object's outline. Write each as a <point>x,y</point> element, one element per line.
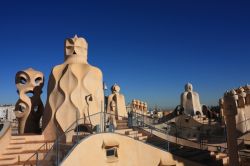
<point>150,121</point>
<point>203,145</point>
<point>42,159</point>
<point>60,147</point>
<point>200,143</point>
<point>37,155</point>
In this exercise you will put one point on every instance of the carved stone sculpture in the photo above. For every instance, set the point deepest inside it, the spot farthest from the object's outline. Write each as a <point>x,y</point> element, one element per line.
<point>229,106</point>
<point>139,107</point>
<point>190,101</point>
<point>134,105</point>
<point>116,106</point>
<point>29,107</point>
<point>75,90</point>
<point>247,90</point>
<point>243,108</point>
<point>144,108</point>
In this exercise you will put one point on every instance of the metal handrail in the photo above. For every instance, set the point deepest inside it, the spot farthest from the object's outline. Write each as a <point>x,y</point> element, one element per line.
<point>36,153</point>
<point>56,141</point>
<point>70,128</point>
<point>165,132</point>
<point>179,127</point>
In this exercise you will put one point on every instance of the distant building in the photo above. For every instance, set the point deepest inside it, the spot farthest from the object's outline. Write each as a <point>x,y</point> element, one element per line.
<point>7,113</point>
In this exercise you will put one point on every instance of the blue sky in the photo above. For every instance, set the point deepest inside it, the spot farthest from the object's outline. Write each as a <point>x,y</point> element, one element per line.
<point>150,48</point>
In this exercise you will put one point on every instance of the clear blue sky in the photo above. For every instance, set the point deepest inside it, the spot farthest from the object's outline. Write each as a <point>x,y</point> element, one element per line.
<point>150,48</point>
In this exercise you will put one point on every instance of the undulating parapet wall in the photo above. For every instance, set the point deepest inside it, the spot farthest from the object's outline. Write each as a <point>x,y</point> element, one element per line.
<point>243,107</point>
<point>75,90</point>
<point>109,149</point>
<point>29,107</point>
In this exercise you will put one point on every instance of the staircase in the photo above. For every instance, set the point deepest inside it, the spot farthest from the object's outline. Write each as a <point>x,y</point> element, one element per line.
<point>133,134</point>
<point>122,124</point>
<point>22,147</point>
<point>122,128</point>
<point>57,155</point>
<point>53,156</point>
